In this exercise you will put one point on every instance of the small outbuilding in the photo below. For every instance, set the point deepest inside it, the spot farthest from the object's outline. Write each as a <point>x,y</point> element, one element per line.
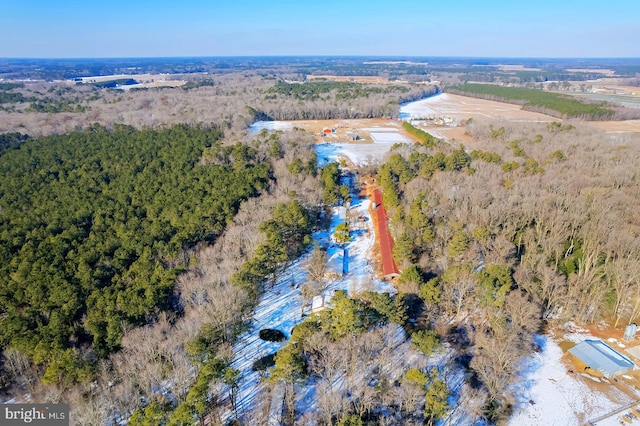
<point>389,268</point>
<point>601,357</point>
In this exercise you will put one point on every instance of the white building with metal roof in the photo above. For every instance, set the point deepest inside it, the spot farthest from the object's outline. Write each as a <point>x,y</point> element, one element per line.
<point>602,357</point>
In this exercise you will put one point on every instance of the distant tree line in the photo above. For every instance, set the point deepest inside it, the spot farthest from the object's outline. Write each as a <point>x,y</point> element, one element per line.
<point>340,91</point>
<point>330,100</point>
<point>426,138</point>
<point>233,100</point>
<point>205,82</point>
<point>110,84</point>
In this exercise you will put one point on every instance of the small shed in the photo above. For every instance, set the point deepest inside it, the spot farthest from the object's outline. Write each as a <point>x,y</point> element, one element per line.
<point>630,332</point>
<point>602,357</point>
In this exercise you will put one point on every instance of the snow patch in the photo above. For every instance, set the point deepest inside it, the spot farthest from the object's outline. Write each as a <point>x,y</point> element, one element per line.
<point>389,137</point>
<point>271,125</point>
<point>423,108</point>
<point>550,395</point>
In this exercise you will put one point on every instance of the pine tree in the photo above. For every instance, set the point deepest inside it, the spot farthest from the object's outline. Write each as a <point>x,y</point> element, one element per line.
<point>436,406</point>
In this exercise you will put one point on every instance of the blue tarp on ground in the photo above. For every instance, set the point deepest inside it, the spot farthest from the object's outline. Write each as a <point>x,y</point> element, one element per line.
<point>600,356</point>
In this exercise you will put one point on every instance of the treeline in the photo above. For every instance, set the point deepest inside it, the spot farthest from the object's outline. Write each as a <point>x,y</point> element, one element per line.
<point>13,98</point>
<point>287,234</point>
<point>221,308</point>
<point>11,86</point>
<point>339,91</point>
<point>549,103</point>
<point>205,82</point>
<point>111,84</point>
<point>331,100</point>
<point>333,191</point>
<point>51,106</point>
<point>91,228</point>
<point>235,100</point>
<point>424,137</point>
<point>39,103</point>
<point>461,293</point>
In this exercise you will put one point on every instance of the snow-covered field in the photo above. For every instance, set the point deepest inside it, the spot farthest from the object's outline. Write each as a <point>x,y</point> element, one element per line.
<point>550,395</point>
<point>359,153</point>
<point>463,107</point>
<point>271,125</point>
<point>389,137</point>
<point>424,108</point>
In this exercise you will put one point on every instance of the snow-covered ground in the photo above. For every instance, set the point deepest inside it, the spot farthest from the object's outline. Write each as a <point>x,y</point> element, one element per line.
<point>358,153</point>
<point>424,108</point>
<point>389,137</point>
<point>280,307</point>
<point>271,125</point>
<point>550,395</point>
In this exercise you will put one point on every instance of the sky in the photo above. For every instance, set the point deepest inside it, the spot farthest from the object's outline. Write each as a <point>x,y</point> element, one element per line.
<point>163,28</point>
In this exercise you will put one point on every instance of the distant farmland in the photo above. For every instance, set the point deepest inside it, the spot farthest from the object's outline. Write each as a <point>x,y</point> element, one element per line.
<point>553,104</point>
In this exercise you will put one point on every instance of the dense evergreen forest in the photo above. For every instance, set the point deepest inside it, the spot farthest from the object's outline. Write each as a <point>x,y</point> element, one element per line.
<point>92,225</point>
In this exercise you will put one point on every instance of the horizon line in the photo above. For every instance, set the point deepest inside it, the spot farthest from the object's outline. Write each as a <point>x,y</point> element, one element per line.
<point>313,56</point>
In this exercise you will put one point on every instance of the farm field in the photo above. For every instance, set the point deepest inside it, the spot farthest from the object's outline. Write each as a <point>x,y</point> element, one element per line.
<point>376,136</point>
<point>460,108</point>
<point>431,114</point>
<point>144,80</point>
<point>627,126</point>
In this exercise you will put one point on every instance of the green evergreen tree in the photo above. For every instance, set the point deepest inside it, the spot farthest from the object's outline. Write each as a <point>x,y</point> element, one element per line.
<point>350,420</point>
<point>341,234</point>
<point>495,283</point>
<point>430,291</point>
<point>436,405</point>
<point>426,341</point>
<point>458,244</point>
